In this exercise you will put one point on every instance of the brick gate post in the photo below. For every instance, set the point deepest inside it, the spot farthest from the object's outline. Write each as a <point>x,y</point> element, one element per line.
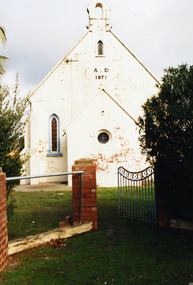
<point>88,200</point>
<point>3,222</point>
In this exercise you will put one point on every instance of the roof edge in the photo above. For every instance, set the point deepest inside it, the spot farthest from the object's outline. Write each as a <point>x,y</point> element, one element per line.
<point>91,100</point>
<point>119,105</point>
<point>136,58</point>
<point>57,66</point>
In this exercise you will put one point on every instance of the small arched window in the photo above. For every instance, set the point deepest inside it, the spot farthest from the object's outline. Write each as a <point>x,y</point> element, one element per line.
<point>100,48</point>
<point>54,136</point>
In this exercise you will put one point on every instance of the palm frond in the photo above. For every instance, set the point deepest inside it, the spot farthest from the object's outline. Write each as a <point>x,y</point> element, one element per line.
<point>3,64</point>
<point>3,37</point>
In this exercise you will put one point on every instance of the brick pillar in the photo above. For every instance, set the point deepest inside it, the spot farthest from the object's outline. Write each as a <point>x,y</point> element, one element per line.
<point>3,222</point>
<point>88,200</point>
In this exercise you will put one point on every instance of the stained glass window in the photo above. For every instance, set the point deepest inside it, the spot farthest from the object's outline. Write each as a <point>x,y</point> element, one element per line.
<point>54,134</point>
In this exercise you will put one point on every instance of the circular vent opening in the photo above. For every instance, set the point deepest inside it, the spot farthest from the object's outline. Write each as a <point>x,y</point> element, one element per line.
<point>103,137</point>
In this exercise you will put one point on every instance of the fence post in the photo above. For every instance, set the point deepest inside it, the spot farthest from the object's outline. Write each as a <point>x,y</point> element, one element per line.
<point>162,211</point>
<point>85,203</point>
<point>3,222</point>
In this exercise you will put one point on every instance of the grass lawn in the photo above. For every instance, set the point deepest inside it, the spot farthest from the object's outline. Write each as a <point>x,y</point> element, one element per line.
<point>38,212</point>
<point>122,252</point>
<point>137,202</point>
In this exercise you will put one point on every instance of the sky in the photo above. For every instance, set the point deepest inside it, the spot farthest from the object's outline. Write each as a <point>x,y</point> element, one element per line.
<point>40,33</point>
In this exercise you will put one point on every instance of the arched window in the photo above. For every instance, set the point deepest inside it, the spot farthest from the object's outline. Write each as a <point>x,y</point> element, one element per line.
<point>54,136</point>
<point>100,47</point>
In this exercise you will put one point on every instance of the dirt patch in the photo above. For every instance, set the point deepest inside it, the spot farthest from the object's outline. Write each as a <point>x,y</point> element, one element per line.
<point>14,263</point>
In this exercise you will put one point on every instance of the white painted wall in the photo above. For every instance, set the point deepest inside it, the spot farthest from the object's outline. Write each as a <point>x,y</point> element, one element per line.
<point>122,149</point>
<point>74,91</point>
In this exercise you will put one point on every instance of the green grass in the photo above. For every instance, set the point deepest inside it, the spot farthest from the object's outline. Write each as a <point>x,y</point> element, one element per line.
<point>137,203</point>
<point>37,212</point>
<point>122,252</point>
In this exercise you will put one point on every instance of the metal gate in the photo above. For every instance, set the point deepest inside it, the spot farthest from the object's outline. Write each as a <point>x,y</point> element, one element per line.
<point>136,194</point>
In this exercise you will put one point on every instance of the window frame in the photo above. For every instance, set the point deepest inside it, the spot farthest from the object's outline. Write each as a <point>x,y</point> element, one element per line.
<point>97,48</point>
<point>100,48</point>
<point>109,137</point>
<point>50,151</point>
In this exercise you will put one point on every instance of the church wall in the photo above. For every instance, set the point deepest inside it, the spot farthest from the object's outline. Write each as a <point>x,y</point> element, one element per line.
<point>39,162</point>
<point>122,148</point>
<point>82,74</point>
<point>118,72</point>
<point>69,89</point>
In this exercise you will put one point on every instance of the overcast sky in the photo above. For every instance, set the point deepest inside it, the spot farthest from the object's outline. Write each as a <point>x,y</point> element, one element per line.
<point>41,32</point>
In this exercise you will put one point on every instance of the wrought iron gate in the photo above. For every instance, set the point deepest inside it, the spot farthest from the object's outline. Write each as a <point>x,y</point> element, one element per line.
<point>136,194</point>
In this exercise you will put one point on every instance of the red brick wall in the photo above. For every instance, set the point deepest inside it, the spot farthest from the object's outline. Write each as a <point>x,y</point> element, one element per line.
<point>3,223</point>
<point>88,199</point>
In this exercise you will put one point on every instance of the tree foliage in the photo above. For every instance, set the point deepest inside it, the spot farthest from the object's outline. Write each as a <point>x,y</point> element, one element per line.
<point>12,110</point>
<point>3,59</point>
<point>166,136</point>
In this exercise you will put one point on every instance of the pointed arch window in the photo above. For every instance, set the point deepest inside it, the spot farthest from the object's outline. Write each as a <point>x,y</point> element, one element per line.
<point>54,136</point>
<point>100,48</point>
<point>54,131</point>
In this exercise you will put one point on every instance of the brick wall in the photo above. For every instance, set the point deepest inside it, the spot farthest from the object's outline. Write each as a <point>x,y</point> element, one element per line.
<point>3,222</point>
<point>88,199</point>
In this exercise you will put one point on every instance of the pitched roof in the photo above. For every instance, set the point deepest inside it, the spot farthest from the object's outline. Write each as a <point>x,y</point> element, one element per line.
<point>65,57</point>
<point>57,66</point>
<point>134,57</point>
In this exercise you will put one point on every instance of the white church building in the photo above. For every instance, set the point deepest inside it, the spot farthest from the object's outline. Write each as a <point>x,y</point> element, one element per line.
<point>88,105</point>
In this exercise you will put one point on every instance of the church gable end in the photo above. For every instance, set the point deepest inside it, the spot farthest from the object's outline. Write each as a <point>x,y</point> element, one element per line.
<point>88,104</point>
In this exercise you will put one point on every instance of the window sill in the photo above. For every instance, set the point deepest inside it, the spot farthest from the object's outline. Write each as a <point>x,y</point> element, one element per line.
<point>54,154</point>
<point>100,55</point>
